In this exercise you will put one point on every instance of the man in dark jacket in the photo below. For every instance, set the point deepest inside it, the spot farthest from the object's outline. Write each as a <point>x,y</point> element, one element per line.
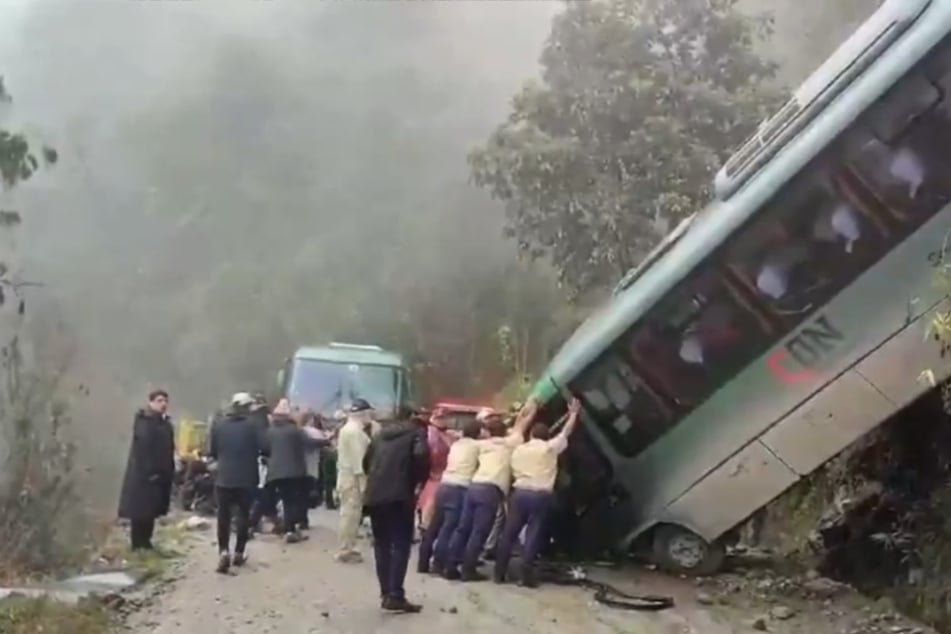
<point>235,443</point>
<point>287,468</point>
<point>396,464</point>
<point>150,469</point>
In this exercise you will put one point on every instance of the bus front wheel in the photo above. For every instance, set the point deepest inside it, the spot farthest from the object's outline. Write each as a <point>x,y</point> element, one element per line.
<point>681,551</point>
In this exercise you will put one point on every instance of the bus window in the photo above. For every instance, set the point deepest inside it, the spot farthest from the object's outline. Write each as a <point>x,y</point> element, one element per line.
<point>794,256</point>
<point>906,162</point>
<point>698,338</point>
<point>625,410</point>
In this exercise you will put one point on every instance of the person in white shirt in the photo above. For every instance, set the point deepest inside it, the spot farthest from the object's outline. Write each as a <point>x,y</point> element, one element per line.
<point>352,443</point>
<point>461,464</point>
<point>490,484</point>
<point>535,467</point>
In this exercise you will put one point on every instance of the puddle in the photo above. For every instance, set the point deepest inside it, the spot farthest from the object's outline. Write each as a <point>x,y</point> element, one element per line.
<point>102,582</point>
<point>75,589</point>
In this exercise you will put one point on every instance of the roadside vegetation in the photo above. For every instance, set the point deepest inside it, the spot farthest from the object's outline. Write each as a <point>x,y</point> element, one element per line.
<point>44,616</point>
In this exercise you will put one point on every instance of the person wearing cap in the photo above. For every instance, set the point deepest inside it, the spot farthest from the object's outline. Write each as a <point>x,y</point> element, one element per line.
<point>396,463</point>
<point>534,468</point>
<point>490,484</point>
<point>352,443</point>
<point>235,443</point>
<point>461,464</point>
<point>287,468</point>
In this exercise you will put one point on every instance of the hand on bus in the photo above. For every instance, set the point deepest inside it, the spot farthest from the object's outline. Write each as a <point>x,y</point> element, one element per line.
<point>574,408</point>
<point>527,414</point>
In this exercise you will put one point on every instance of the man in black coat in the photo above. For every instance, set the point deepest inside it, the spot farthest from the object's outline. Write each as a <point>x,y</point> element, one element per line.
<point>235,443</point>
<point>150,469</point>
<point>396,464</point>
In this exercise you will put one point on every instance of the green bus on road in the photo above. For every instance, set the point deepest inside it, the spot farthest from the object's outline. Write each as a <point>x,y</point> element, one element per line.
<point>782,322</point>
<point>326,379</point>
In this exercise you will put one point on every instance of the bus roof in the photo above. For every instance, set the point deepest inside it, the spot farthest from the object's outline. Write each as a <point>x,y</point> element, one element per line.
<point>719,220</point>
<point>343,353</point>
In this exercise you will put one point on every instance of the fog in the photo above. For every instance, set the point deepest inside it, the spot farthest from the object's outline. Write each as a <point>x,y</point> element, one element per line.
<point>239,178</point>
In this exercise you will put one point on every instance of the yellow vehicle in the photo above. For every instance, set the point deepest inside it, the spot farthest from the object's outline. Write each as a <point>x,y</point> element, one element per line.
<point>190,437</point>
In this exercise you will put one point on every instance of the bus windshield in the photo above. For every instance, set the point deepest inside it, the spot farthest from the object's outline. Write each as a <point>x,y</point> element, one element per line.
<point>326,386</point>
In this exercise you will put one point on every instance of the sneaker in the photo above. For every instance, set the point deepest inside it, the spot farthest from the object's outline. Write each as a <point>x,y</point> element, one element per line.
<point>239,559</point>
<point>224,563</point>
<point>401,606</point>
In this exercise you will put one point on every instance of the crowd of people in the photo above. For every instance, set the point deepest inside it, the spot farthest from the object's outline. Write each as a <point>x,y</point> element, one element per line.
<point>475,491</point>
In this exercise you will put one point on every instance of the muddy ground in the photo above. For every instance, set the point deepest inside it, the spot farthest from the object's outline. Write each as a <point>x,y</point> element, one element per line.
<point>299,589</point>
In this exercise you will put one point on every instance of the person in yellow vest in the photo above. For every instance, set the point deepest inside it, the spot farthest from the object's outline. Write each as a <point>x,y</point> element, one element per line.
<point>534,468</point>
<point>461,463</point>
<point>490,485</point>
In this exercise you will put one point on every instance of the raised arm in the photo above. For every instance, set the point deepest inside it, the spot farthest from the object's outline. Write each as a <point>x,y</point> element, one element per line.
<point>526,416</point>
<point>560,442</point>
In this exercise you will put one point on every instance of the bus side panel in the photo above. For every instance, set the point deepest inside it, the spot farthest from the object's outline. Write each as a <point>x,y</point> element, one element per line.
<point>827,423</point>
<point>873,309</point>
<point>740,486</point>
<point>896,368</point>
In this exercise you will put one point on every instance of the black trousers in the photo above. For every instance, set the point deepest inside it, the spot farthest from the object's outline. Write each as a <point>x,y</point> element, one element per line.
<point>392,526</point>
<point>233,503</point>
<point>141,532</point>
<point>292,493</point>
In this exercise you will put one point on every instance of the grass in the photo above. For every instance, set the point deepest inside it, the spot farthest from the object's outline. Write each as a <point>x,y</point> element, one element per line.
<point>23,615</point>
<point>44,616</point>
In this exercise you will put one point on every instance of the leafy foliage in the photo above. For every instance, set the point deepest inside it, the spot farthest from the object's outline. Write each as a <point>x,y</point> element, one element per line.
<point>639,103</point>
<point>36,460</point>
<point>17,161</point>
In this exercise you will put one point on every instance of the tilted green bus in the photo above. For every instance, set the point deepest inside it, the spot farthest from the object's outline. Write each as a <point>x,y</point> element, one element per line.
<point>326,379</point>
<point>782,322</point>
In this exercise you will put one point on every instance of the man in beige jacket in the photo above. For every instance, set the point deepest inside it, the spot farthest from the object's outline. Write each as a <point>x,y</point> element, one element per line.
<point>352,443</point>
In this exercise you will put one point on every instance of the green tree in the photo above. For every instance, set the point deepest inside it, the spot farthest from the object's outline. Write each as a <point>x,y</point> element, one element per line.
<point>36,460</point>
<point>18,161</point>
<point>640,101</point>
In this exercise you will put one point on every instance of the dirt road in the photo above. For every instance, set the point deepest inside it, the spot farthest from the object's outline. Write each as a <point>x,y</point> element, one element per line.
<point>299,589</point>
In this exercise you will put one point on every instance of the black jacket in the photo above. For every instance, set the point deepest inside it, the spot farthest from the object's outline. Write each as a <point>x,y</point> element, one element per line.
<point>147,485</point>
<point>235,442</point>
<point>396,463</point>
<point>260,417</point>
<point>289,446</point>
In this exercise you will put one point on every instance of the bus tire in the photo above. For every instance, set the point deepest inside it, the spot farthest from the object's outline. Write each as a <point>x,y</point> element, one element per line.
<point>681,551</point>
